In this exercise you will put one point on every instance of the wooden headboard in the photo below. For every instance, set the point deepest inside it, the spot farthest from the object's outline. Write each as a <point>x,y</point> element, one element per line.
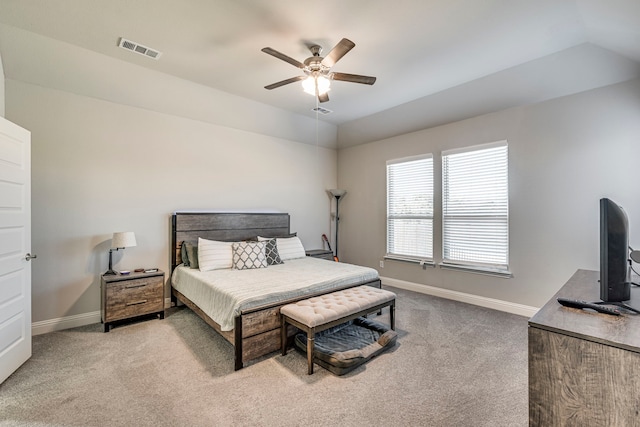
<point>223,226</point>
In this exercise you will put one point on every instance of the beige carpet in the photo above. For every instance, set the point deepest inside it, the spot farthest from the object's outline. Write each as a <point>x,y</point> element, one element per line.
<point>453,365</point>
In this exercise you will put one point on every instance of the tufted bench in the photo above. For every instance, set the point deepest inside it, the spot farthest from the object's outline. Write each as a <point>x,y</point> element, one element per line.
<point>326,311</point>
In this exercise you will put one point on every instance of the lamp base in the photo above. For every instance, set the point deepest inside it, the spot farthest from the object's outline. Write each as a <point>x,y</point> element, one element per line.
<point>111,271</point>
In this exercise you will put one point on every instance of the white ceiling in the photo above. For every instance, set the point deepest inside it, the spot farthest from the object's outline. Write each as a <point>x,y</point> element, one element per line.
<point>431,52</point>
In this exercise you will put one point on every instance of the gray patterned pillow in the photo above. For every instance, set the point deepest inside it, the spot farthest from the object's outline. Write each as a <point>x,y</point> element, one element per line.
<point>248,255</point>
<point>271,252</point>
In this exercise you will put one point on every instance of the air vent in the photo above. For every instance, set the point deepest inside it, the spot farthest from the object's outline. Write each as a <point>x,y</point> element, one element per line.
<point>322,110</point>
<point>138,48</point>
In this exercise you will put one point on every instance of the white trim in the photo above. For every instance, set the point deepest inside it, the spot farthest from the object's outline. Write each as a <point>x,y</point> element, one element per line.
<point>495,304</point>
<point>416,260</point>
<point>51,325</point>
<point>477,269</point>
<point>410,159</point>
<point>501,143</point>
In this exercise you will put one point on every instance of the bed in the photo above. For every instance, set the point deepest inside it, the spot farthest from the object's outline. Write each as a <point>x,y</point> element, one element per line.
<point>254,326</point>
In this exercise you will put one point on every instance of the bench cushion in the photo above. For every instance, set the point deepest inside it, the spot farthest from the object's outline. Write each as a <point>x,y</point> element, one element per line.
<point>323,309</point>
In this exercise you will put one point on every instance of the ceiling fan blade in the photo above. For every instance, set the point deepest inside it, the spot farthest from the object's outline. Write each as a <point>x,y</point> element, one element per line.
<point>323,97</point>
<point>339,50</point>
<point>285,82</point>
<point>284,57</point>
<point>354,78</point>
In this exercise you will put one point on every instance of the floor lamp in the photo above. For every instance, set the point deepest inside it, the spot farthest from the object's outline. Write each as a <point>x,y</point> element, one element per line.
<point>337,194</point>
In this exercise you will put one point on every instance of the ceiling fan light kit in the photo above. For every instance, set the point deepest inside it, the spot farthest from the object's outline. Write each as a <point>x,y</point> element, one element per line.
<point>317,70</point>
<point>316,85</point>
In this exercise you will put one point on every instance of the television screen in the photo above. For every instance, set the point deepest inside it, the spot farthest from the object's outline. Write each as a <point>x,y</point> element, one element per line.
<point>614,253</point>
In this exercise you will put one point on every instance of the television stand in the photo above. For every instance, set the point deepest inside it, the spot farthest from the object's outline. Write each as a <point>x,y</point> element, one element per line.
<point>583,366</point>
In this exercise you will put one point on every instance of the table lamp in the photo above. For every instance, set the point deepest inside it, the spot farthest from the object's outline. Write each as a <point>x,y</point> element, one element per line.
<point>120,240</point>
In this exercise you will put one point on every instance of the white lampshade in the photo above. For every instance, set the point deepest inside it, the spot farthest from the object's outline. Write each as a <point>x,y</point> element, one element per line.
<point>337,193</point>
<point>316,85</point>
<point>324,84</point>
<point>123,239</point>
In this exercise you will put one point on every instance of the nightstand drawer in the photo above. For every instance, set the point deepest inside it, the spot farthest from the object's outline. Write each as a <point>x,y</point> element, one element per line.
<point>134,298</point>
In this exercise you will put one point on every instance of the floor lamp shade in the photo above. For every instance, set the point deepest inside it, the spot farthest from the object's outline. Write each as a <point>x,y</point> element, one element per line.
<point>120,240</point>
<point>337,193</point>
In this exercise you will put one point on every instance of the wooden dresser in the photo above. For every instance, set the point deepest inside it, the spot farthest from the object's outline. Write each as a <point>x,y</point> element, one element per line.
<point>584,367</point>
<point>131,295</point>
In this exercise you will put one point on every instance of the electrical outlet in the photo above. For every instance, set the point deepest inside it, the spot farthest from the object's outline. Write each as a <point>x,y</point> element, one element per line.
<point>381,264</point>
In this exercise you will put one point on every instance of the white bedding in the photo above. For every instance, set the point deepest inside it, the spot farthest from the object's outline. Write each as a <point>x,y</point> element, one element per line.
<point>224,294</point>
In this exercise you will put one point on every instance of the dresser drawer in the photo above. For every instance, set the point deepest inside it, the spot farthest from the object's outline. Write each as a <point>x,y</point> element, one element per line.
<point>134,298</point>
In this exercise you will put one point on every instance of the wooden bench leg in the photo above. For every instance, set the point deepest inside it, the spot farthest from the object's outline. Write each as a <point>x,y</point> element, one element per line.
<point>283,336</point>
<point>310,349</point>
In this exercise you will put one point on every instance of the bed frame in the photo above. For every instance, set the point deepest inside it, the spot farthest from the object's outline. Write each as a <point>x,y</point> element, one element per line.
<point>256,331</point>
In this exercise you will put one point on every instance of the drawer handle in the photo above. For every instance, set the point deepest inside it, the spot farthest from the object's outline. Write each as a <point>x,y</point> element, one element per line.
<point>136,302</point>
<point>135,286</point>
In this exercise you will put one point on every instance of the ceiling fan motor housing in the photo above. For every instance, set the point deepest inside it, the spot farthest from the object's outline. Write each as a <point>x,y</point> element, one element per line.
<point>314,63</point>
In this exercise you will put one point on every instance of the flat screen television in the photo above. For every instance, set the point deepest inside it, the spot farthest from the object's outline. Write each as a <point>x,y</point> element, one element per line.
<point>614,253</point>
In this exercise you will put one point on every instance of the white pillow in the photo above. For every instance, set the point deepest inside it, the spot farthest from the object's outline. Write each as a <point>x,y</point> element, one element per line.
<point>214,255</point>
<point>288,247</point>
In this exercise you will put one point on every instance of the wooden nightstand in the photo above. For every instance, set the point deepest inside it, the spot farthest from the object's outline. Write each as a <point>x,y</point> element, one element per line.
<point>320,253</point>
<point>131,295</point>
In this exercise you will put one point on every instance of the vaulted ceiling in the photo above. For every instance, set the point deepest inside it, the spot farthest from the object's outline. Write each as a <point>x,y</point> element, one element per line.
<point>435,60</point>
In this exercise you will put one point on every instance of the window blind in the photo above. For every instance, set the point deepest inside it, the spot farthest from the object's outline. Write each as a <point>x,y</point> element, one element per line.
<point>410,207</point>
<point>475,206</point>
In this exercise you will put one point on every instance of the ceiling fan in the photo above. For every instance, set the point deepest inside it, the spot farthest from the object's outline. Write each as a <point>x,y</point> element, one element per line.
<point>317,70</point>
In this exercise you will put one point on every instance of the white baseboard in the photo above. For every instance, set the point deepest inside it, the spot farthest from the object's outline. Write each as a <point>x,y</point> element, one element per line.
<point>495,304</point>
<point>67,322</point>
<point>76,320</point>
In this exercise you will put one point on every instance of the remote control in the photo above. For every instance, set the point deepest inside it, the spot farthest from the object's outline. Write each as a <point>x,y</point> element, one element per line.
<point>570,302</point>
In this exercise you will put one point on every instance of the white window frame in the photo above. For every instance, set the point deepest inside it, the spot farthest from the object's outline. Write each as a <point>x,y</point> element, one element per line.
<point>475,209</point>
<point>422,213</point>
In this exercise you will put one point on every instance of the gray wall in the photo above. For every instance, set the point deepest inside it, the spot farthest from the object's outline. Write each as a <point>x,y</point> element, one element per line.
<point>100,167</point>
<point>564,155</point>
<point>119,147</point>
<point>1,88</point>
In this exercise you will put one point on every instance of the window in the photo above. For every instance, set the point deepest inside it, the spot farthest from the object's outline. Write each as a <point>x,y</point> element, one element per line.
<point>475,207</point>
<point>410,208</point>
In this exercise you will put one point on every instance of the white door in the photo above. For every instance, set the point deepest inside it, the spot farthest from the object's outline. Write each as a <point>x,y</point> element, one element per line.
<point>15,244</point>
